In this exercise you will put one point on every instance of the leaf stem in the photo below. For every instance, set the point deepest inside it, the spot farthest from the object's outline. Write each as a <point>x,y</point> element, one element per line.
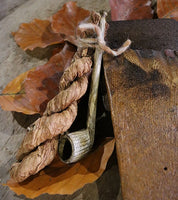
<point>12,94</point>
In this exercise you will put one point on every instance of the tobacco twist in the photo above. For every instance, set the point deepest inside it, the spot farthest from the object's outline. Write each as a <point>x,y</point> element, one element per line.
<point>59,115</point>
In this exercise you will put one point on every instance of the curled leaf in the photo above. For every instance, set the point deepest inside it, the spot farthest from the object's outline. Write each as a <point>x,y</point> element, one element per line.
<point>130,10</point>
<point>66,20</point>
<point>60,178</point>
<point>37,33</point>
<point>39,85</point>
<point>167,9</point>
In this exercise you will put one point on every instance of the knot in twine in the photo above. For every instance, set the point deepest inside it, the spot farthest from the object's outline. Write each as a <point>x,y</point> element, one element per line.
<point>99,41</point>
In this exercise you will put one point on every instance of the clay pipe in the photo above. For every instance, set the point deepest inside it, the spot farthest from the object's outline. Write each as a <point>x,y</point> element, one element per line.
<point>75,145</point>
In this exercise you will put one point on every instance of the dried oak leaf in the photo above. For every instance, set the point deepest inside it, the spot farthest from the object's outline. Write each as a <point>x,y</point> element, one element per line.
<point>167,9</point>
<point>60,178</point>
<point>36,87</point>
<point>37,33</point>
<point>66,20</point>
<point>130,10</point>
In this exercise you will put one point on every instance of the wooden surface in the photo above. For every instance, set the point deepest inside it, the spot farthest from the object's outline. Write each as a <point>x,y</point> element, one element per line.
<point>14,61</point>
<point>8,6</point>
<point>143,94</point>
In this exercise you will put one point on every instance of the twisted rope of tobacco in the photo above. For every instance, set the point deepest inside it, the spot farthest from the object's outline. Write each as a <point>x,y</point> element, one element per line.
<point>59,115</point>
<point>61,111</point>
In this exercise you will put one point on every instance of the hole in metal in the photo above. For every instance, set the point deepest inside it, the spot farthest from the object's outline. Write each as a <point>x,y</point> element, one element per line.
<point>165,168</point>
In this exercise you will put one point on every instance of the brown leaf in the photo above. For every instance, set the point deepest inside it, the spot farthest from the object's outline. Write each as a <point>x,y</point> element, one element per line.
<point>143,94</point>
<point>37,33</point>
<point>130,10</point>
<point>42,84</point>
<point>59,178</point>
<point>167,9</point>
<point>39,85</point>
<point>66,20</point>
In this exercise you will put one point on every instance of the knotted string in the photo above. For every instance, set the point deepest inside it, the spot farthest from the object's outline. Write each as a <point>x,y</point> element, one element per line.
<point>99,41</point>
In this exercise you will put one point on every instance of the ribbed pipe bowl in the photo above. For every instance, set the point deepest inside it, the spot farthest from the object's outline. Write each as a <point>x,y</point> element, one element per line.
<point>74,146</point>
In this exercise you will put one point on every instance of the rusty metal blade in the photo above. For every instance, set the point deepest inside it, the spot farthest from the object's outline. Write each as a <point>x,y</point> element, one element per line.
<point>157,34</point>
<point>143,95</point>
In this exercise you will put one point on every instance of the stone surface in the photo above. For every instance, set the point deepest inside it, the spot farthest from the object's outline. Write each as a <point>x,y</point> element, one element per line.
<point>14,61</point>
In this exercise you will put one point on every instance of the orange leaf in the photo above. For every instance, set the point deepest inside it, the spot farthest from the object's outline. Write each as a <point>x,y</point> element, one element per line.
<point>67,19</point>
<point>167,9</point>
<point>39,85</point>
<point>130,10</point>
<point>59,178</point>
<point>14,97</point>
<point>37,33</point>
